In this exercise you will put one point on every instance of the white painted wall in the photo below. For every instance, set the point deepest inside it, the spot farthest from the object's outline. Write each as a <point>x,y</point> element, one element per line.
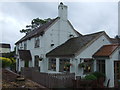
<point>110,68</point>
<point>54,35</point>
<point>88,52</point>
<point>4,50</point>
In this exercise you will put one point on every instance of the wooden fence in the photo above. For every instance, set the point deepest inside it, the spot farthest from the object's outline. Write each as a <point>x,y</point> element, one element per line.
<point>48,80</point>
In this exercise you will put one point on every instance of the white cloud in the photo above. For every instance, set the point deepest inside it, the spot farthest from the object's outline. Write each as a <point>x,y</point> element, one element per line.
<point>85,17</point>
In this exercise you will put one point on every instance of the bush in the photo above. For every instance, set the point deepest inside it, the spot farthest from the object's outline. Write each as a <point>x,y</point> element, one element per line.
<point>99,75</point>
<point>7,62</point>
<point>90,77</point>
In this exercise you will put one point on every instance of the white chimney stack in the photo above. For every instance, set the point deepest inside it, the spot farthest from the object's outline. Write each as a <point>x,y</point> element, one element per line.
<point>62,11</point>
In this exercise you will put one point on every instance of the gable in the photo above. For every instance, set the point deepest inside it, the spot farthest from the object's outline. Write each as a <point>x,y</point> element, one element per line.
<point>93,46</point>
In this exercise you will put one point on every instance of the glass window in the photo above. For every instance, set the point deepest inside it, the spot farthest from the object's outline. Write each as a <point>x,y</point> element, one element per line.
<point>37,42</point>
<point>64,65</point>
<point>52,64</point>
<point>25,45</point>
<point>36,61</point>
<point>101,66</point>
<point>88,67</point>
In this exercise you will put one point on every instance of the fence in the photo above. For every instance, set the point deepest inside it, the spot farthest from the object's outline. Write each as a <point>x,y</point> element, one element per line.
<point>49,80</point>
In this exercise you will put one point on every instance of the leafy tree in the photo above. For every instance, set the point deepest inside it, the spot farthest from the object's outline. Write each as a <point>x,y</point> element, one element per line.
<point>35,23</point>
<point>8,60</point>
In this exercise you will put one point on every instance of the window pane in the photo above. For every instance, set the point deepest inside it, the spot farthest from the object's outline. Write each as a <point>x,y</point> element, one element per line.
<point>36,61</point>
<point>64,64</point>
<point>52,64</point>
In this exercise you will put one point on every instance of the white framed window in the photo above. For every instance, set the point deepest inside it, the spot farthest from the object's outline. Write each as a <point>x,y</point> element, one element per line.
<point>25,45</point>
<point>37,42</point>
<point>52,64</point>
<point>64,64</point>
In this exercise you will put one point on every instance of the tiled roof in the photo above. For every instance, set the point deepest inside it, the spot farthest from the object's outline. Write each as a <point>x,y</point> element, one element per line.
<point>25,55</point>
<point>2,45</point>
<point>106,50</point>
<point>42,29</point>
<point>73,45</point>
<point>37,31</point>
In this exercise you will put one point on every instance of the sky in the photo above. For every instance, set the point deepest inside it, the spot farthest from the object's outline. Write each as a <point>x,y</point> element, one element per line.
<point>86,17</point>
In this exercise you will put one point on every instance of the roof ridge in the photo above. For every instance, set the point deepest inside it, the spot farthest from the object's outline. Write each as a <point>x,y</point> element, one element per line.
<point>94,33</point>
<point>37,30</point>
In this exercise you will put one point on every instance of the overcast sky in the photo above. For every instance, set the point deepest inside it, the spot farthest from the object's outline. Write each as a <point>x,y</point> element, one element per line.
<point>88,17</point>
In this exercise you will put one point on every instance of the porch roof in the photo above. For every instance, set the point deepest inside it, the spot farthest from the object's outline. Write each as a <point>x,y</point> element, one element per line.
<point>73,45</point>
<point>106,50</point>
<point>25,55</point>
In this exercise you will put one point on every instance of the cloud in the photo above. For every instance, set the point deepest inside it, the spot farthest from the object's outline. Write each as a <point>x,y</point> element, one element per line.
<point>85,17</point>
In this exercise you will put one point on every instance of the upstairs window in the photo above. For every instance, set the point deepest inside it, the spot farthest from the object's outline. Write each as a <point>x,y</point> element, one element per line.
<point>25,45</point>
<point>21,47</point>
<point>37,42</point>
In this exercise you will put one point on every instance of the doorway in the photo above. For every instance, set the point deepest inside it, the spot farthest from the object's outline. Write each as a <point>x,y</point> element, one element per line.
<point>116,72</point>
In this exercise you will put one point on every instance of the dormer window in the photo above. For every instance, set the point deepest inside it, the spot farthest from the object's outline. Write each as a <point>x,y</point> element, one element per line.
<point>37,42</point>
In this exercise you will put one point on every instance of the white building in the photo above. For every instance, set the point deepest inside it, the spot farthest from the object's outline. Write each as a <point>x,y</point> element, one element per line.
<point>56,47</point>
<point>108,62</point>
<point>5,48</point>
<point>44,39</point>
<point>77,51</point>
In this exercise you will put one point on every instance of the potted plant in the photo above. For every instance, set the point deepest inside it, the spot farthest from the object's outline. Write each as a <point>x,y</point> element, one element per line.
<point>90,77</point>
<point>68,64</point>
<point>82,65</point>
<point>100,78</point>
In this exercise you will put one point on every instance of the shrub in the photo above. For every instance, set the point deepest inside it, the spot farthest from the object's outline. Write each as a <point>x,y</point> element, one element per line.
<point>7,62</point>
<point>82,65</point>
<point>99,75</point>
<point>90,77</point>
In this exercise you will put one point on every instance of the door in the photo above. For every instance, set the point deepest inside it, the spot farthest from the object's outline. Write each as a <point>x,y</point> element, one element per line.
<point>26,63</point>
<point>37,63</point>
<point>116,72</point>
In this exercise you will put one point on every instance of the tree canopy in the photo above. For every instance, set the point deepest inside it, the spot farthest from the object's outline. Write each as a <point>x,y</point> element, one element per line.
<point>35,23</point>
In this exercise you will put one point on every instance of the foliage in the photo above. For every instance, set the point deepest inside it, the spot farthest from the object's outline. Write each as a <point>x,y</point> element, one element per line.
<point>35,23</point>
<point>82,65</point>
<point>90,77</point>
<point>9,55</point>
<point>6,62</point>
<point>99,74</point>
<point>67,64</point>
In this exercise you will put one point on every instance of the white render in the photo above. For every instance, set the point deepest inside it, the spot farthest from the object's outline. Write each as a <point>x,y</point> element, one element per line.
<point>4,50</point>
<point>110,67</point>
<point>89,51</point>
<point>56,34</point>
